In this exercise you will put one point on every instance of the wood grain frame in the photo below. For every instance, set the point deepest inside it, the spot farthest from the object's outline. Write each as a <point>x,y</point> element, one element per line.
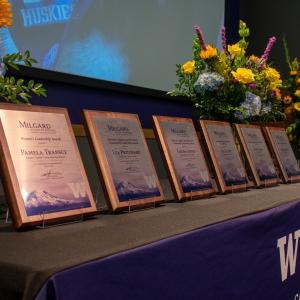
<point>12,186</point>
<point>223,188</point>
<point>103,167</point>
<point>275,152</point>
<point>180,195</point>
<point>249,158</point>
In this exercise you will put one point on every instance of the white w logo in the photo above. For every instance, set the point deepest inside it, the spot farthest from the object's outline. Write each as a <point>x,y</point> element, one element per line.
<point>78,189</point>
<point>288,259</point>
<point>151,181</point>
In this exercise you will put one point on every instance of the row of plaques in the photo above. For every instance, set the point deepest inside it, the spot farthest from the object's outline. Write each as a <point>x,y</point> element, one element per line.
<point>44,178</point>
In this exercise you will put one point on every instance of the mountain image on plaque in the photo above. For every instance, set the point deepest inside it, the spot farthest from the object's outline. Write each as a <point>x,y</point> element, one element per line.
<point>41,202</point>
<point>189,184</point>
<point>233,175</point>
<point>128,191</point>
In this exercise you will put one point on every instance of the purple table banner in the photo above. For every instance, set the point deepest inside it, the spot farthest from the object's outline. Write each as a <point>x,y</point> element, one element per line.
<point>250,257</point>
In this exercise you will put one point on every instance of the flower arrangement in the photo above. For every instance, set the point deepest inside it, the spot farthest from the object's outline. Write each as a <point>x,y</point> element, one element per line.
<point>291,100</point>
<point>229,85</point>
<point>12,89</point>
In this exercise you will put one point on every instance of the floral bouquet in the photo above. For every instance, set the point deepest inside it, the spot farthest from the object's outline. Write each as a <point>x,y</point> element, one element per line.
<point>229,85</point>
<point>291,100</point>
<point>12,89</point>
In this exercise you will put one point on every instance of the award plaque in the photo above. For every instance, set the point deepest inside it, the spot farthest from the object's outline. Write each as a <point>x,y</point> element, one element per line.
<point>42,171</point>
<point>228,166</point>
<point>187,168</point>
<point>123,160</point>
<point>283,153</point>
<point>257,155</point>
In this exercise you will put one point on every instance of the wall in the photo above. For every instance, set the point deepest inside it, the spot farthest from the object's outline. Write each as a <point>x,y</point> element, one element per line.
<point>268,18</point>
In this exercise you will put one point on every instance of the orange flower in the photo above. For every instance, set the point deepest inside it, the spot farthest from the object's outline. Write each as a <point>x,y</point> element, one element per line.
<point>210,52</point>
<point>289,112</point>
<point>293,73</point>
<point>298,80</point>
<point>5,14</point>
<point>287,100</point>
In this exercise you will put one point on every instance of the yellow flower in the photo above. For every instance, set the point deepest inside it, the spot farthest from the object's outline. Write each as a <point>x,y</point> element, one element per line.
<point>293,73</point>
<point>297,93</point>
<point>297,106</point>
<point>188,67</point>
<point>5,13</point>
<point>287,100</point>
<point>235,49</point>
<point>254,58</point>
<point>209,52</point>
<point>272,74</point>
<point>243,75</point>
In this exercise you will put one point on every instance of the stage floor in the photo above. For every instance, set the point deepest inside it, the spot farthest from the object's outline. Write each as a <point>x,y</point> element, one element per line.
<point>29,258</point>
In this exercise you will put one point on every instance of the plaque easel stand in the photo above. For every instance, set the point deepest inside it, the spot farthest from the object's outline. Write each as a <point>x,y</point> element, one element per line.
<point>132,209</point>
<point>7,217</point>
<point>50,223</point>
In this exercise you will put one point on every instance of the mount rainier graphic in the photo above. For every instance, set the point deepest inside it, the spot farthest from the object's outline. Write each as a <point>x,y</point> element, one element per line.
<point>128,191</point>
<point>39,202</point>
<point>189,184</point>
<point>233,179</point>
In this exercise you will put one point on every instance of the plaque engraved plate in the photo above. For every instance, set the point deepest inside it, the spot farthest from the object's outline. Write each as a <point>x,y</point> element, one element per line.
<point>283,154</point>
<point>188,171</point>
<point>257,154</point>
<point>123,159</point>
<point>226,160</point>
<point>43,172</point>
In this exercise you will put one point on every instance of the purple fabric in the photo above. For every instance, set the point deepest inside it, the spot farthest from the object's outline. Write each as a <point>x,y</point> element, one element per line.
<point>236,259</point>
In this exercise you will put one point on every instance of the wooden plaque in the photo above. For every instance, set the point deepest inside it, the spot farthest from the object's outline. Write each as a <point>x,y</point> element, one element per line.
<point>182,153</point>
<point>283,153</point>
<point>257,155</point>
<point>228,166</point>
<point>42,171</point>
<point>123,160</point>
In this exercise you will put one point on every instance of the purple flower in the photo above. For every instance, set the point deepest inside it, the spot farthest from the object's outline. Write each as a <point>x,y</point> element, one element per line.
<point>273,93</point>
<point>200,36</point>
<point>252,86</point>
<point>224,41</point>
<point>266,54</point>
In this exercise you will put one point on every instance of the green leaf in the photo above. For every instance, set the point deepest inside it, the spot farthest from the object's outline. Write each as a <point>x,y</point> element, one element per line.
<point>30,84</point>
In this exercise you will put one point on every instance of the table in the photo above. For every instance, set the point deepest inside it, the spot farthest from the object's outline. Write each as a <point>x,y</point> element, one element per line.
<point>219,248</point>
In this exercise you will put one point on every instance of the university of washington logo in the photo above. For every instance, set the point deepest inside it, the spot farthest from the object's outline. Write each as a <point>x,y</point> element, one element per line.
<point>288,251</point>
